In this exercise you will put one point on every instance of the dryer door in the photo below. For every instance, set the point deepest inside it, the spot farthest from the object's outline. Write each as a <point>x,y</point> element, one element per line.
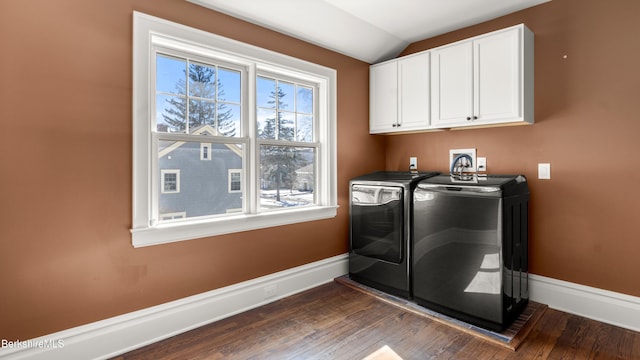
<point>377,224</point>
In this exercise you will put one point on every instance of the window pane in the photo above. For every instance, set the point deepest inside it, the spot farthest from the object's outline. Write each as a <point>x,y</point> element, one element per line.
<point>304,99</point>
<point>266,124</point>
<point>229,85</point>
<point>205,151</point>
<point>235,180</point>
<point>286,129</point>
<point>204,185</point>
<point>202,81</point>
<point>286,96</point>
<point>304,131</point>
<point>170,75</point>
<point>170,113</point>
<point>202,113</point>
<point>170,182</point>
<point>266,92</point>
<point>228,116</point>
<point>286,176</point>
<point>280,127</point>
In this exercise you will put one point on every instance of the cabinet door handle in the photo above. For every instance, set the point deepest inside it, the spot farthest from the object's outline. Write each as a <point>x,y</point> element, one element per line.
<point>475,118</point>
<point>468,117</point>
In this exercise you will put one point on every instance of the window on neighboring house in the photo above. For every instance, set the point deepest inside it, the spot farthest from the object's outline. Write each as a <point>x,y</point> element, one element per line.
<point>235,180</point>
<point>173,216</point>
<point>205,151</point>
<point>170,181</point>
<point>269,118</point>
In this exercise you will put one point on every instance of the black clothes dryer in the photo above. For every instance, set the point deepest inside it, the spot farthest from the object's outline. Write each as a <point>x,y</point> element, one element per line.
<point>379,245</point>
<point>470,240</point>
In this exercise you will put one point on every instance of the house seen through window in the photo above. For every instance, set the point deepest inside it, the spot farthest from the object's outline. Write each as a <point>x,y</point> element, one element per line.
<point>202,99</point>
<point>229,134</point>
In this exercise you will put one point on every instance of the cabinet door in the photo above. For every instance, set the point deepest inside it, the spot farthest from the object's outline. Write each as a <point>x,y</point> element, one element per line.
<point>452,85</point>
<point>383,97</point>
<point>497,84</point>
<point>413,95</point>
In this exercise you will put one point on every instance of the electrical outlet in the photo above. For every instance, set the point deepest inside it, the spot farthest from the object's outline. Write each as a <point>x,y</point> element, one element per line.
<point>413,163</point>
<point>482,164</point>
<point>270,291</point>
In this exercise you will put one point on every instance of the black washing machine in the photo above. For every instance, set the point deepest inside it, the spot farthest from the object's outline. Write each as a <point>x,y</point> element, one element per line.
<point>470,241</point>
<point>380,211</point>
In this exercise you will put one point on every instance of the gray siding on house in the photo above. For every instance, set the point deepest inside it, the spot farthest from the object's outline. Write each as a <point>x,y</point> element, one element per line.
<point>204,184</point>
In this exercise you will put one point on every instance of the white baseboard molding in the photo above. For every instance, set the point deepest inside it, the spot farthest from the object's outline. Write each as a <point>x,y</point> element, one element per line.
<point>117,335</point>
<point>606,306</point>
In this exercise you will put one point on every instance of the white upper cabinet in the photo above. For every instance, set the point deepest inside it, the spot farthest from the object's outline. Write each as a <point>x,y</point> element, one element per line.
<point>383,97</point>
<point>452,84</point>
<point>400,94</point>
<point>484,81</point>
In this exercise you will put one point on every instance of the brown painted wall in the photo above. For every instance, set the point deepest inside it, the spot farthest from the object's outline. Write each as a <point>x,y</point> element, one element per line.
<point>585,219</point>
<point>65,157</point>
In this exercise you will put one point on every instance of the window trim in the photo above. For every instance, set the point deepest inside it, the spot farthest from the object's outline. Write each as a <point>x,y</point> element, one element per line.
<point>149,30</point>
<point>163,173</point>
<point>205,151</point>
<point>230,181</point>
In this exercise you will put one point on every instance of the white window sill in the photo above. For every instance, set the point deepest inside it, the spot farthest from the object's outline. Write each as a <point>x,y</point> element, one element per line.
<point>172,232</point>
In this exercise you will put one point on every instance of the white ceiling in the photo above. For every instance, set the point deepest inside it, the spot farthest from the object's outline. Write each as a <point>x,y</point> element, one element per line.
<point>368,30</point>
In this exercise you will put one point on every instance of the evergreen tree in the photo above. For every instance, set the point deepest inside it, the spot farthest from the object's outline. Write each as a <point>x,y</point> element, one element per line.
<point>278,163</point>
<point>202,107</point>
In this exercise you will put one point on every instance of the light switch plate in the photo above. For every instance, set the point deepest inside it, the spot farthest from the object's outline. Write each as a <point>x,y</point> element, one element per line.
<point>544,171</point>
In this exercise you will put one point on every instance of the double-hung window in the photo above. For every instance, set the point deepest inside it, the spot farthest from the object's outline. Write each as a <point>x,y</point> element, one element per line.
<point>264,123</point>
<point>170,181</point>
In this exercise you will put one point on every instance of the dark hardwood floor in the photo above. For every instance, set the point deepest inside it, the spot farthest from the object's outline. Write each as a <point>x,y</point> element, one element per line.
<point>336,322</point>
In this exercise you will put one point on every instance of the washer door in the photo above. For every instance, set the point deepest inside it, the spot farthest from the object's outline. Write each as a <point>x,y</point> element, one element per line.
<point>457,252</point>
<point>377,224</point>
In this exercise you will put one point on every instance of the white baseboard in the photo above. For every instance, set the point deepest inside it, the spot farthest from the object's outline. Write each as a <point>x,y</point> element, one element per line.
<point>117,335</point>
<point>606,306</point>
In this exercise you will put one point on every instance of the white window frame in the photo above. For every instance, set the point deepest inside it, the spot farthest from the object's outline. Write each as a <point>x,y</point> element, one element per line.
<point>205,149</point>
<point>149,31</point>
<point>163,174</point>
<point>230,172</point>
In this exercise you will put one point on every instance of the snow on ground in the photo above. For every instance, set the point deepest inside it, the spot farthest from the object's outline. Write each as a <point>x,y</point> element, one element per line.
<point>287,198</point>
